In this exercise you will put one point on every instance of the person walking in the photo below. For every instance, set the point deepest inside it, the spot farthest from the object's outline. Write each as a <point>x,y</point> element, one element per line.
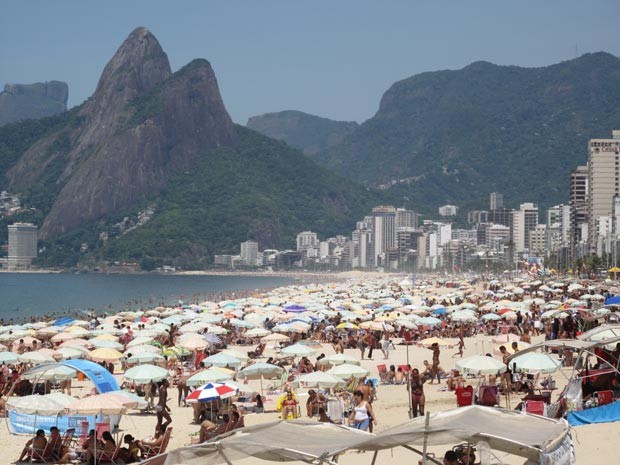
<point>162,409</point>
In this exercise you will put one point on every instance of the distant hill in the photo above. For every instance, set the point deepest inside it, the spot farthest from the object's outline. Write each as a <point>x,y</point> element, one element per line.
<point>455,136</point>
<point>151,167</point>
<point>19,102</point>
<point>308,133</point>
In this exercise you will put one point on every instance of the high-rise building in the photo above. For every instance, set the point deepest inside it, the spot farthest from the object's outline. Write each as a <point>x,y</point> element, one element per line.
<point>603,182</point>
<point>538,241</point>
<point>501,216</point>
<point>307,240</point>
<point>477,216</point>
<point>383,231</point>
<point>578,202</point>
<point>406,218</point>
<point>249,253</point>
<point>496,201</point>
<point>22,245</point>
<point>524,220</point>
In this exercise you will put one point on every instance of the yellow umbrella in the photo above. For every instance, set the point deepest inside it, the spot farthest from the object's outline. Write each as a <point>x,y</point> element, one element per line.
<point>105,354</point>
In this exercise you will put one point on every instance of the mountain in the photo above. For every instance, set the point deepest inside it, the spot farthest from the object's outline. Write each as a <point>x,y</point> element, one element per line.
<point>308,133</point>
<point>455,136</point>
<point>19,102</point>
<point>152,166</point>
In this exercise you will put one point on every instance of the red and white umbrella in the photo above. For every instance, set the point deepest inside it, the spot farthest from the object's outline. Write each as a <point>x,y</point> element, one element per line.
<point>212,391</point>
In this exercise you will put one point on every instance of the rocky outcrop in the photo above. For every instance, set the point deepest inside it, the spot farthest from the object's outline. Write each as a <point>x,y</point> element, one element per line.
<point>32,101</point>
<point>142,125</point>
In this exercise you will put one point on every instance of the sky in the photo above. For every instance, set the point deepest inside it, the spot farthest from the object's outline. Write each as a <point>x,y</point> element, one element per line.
<point>331,58</point>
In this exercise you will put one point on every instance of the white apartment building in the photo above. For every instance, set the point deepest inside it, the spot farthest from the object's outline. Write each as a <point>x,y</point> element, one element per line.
<point>249,253</point>
<point>448,210</point>
<point>603,183</point>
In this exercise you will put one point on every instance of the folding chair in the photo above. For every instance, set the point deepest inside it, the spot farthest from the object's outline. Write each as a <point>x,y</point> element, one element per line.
<point>104,456</point>
<point>536,407</point>
<point>604,397</point>
<point>100,428</point>
<point>65,443</point>
<point>488,395</point>
<point>156,450</point>
<point>464,396</point>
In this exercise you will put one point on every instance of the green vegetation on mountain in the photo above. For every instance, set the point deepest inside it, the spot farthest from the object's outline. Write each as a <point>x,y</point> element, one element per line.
<point>455,136</point>
<point>308,133</point>
<point>260,189</point>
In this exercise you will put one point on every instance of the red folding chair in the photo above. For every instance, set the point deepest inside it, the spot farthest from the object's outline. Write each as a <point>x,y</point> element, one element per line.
<point>382,369</point>
<point>464,396</point>
<point>536,407</point>
<point>100,428</point>
<point>604,397</point>
<point>488,395</point>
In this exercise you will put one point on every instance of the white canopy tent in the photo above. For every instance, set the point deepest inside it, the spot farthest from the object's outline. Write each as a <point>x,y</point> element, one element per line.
<point>529,436</point>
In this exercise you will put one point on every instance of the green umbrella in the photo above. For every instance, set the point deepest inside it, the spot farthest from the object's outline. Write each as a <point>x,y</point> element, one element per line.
<point>145,357</point>
<point>207,376</point>
<point>143,374</point>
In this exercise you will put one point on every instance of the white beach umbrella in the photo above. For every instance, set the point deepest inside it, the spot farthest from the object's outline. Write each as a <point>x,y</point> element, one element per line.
<point>298,350</point>
<point>534,362</point>
<point>480,364</point>
<point>320,379</point>
<point>143,374</point>
<point>347,370</point>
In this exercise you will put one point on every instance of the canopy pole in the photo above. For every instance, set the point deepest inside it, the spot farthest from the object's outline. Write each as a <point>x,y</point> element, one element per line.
<point>218,446</point>
<point>417,451</point>
<point>425,446</point>
<point>374,457</point>
<point>409,385</point>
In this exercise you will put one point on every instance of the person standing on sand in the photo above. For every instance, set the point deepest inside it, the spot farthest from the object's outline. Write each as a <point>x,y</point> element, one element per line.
<point>435,365</point>
<point>162,408</point>
<point>461,345</point>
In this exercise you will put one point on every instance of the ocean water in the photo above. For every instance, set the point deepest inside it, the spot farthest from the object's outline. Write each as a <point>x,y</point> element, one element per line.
<point>23,295</point>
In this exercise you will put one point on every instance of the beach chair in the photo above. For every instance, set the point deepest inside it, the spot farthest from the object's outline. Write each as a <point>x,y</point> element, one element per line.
<point>535,407</point>
<point>382,370</point>
<point>100,428</point>
<point>105,456</point>
<point>488,395</point>
<point>335,410</point>
<point>64,444</point>
<point>604,397</point>
<point>156,450</point>
<point>44,455</point>
<point>464,396</point>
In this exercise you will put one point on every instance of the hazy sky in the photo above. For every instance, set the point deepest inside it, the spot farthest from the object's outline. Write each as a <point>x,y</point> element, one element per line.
<point>332,58</point>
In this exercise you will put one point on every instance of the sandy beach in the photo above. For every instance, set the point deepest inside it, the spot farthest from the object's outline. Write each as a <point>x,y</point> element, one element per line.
<point>594,444</point>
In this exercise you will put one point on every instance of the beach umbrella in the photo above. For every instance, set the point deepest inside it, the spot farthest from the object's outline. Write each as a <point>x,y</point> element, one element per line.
<point>298,350</point>
<point>75,342</point>
<point>429,321</point>
<point>145,357</point>
<point>211,391</point>
<point>105,355</point>
<point>406,324</point>
<point>36,405</point>
<point>35,358</point>
<point>535,362</point>
<point>105,344</point>
<point>294,309</point>
<point>142,349</point>
<point>235,353</point>
<point>55,374</point>
<point>346,325</point>
<point>320,379</point>
<point>275,338</point>
<point>257,332</point>
<point>193,342</point>
<point>429,341</point>
<point>222,360</point>
<point>101,404</point>
<point>140,340</point>
<point>480,364</point>
<point>105,337</point>
<point>260,371</point>
<point>176,352</point>
<point>213,338</point>
<point>211,375</point>
<point>68,353</point>
<point>376,326</point>
<point>506,338</point>
<point>491,316</point>
<point>143,374</point>
<point>463,315</point>
<point>61,337</point>
<point>347,370</point>
<point>338,359</point>
<point>8,358</point>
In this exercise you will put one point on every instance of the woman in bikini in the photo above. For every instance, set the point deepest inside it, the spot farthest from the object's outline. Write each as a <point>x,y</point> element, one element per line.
<point>416,388</point>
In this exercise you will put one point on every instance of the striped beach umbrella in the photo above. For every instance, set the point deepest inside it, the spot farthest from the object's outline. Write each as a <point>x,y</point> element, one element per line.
<point>211,391</point>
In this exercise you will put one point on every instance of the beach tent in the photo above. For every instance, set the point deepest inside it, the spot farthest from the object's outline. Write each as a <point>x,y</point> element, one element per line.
<point>103,380</point>
<point>529,436</point>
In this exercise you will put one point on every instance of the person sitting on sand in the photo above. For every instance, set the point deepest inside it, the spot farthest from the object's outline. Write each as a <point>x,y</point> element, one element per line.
<point>131,453</point>
<point>390,376</point>
<point>289,406</point>
<point>399,378</point>
<point>314,402</point>
<point>34,446</point>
